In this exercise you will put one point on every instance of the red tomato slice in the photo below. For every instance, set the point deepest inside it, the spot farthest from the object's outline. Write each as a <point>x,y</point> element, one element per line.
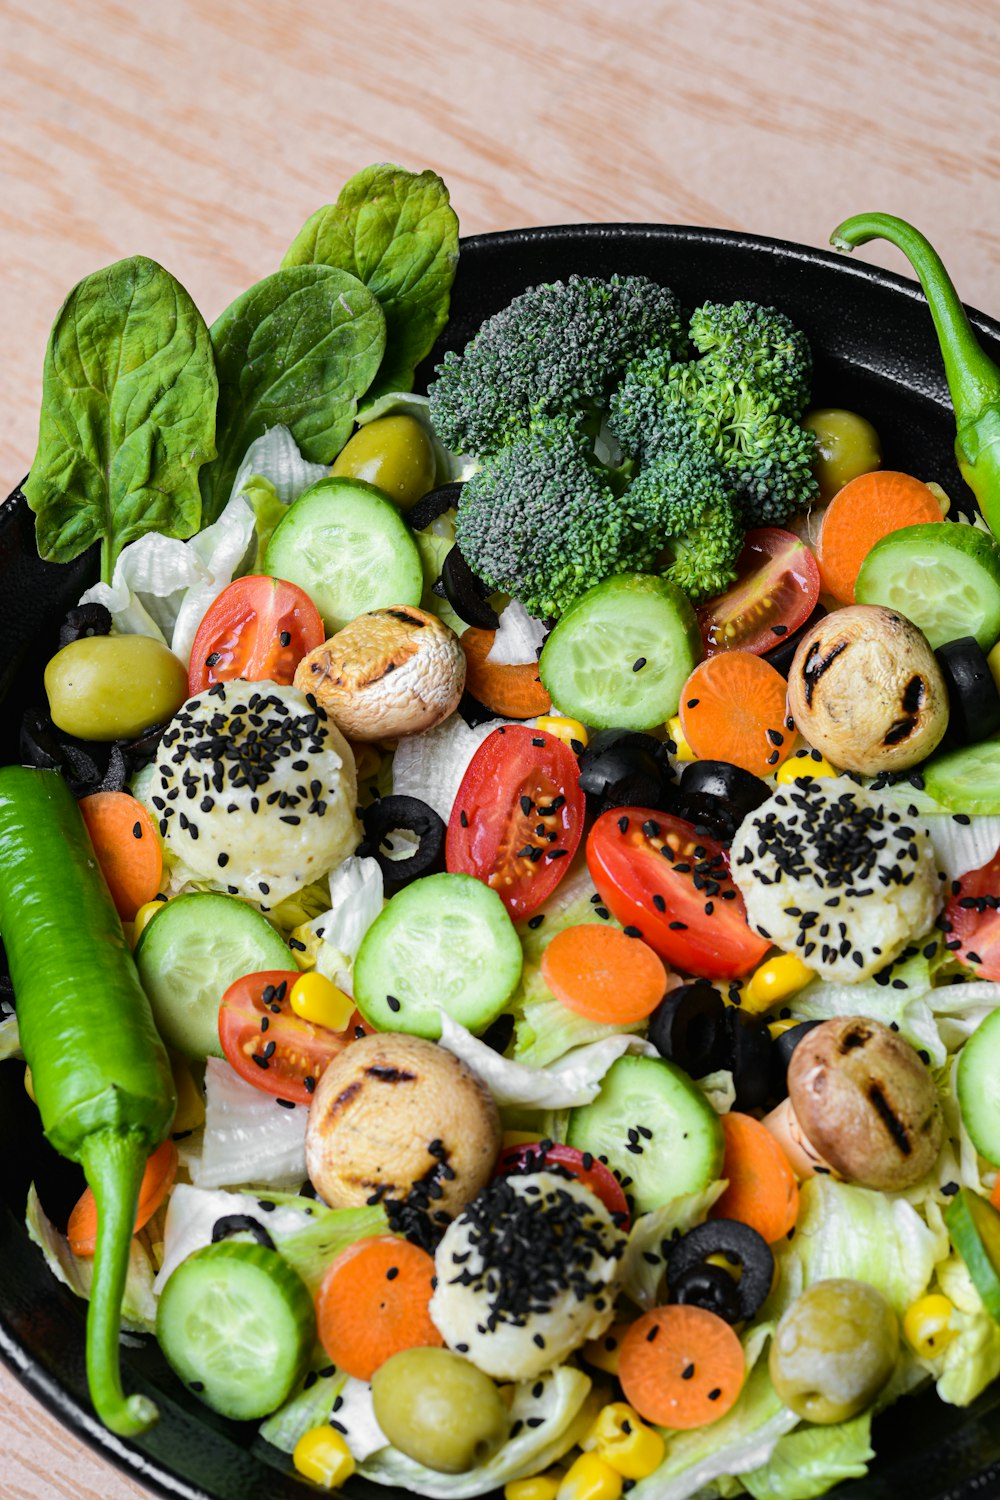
<point>258,628</point>
<point>269,1045</point>
<point>535,1156</point>
<point>518,816</point>
<point>973,931</point>
<point>644,865</point>
<point>775,593</point>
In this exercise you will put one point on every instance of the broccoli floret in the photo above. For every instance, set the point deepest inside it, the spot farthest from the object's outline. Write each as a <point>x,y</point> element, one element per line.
<point>557,349</point>
<point>540,520</point>
<point>757,348</point>
<point>704,558</point>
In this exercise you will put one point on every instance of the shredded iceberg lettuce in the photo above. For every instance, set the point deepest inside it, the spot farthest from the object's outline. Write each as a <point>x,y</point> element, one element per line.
<point>77,1271</point>
<point>811,1460</point>
<point>249,1137</point>
<point>519,637</point>
<point>643,1262</point>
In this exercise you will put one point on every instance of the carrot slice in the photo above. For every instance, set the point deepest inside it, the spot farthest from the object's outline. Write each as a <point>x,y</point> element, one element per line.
<point>995,1195</point>
<point>516,692</point>
<point>374,1302</point>
<point>681,1366</point>
<point>158,1179</point>
<point>733,707</point>
<point>861,514</point>
<point>127,846</point>
<point>762,1189</point>
<point>603,974</point>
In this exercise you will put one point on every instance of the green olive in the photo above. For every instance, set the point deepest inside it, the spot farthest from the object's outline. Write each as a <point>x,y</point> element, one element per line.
<point>394,453</point>
<point>847,445</point>
<point>439,1409</point>
<point>834,1350</point>
<point>112,687</point>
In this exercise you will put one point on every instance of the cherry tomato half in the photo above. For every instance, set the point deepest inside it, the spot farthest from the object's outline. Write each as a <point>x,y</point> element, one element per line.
<point>536,1156</point>
<point>776,592</point>
<point>644,864</point>
<point>977,928</point>
<point>258,628</point>
<point>518,816</point>
<point>269,1045</point>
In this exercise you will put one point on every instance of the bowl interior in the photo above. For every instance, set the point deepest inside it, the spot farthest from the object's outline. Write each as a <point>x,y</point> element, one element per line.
<point>875,352</point>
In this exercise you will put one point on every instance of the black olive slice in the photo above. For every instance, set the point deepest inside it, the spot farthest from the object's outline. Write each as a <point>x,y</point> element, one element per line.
<point>710,1287</point>
<point>84,620</point>
<point>467,594</point>
<point>621,768</point>
<point>688,1028</point>
<point>382,818</point>
<point>740,1244</point>
<point>749,1058</point>
<point>141,751</point>
<point>782,1048</point>
<point>739,791</point>
<point>432,505</point>
<point>475,713</point>
<point>780,656</point>
<point>973,699</point>
<point>240,1224</point>
<point>500,1033</point>
<point>87,766</point>
<point>709,817</point>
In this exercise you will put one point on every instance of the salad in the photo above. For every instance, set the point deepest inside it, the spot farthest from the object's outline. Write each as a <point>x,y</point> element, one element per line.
<point>501,895</point>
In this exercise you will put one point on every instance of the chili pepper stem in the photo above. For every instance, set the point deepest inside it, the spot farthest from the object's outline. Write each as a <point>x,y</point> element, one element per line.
<point>973,378</point>
<point>113,1163</point>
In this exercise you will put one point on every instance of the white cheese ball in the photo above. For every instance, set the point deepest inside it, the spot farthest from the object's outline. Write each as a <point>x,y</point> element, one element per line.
<point>255,790</point>
<point>526,1274</point>
<point>837,875</point>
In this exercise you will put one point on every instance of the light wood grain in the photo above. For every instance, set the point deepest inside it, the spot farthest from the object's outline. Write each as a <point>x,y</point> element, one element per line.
<point>203,134</point>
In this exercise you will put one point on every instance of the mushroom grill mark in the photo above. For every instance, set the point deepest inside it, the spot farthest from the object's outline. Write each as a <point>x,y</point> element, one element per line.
<point>890,1119</point>
<point>813,670</point>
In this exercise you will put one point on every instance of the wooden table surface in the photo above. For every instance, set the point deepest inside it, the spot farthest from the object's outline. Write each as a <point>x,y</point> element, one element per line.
<point>203,134</point>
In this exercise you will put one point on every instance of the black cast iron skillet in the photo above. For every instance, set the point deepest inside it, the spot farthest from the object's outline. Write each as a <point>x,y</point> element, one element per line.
<point>875,353</point>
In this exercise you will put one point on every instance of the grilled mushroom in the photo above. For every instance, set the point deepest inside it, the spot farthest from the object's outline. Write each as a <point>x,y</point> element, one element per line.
<point>866,690</point>
<point>863,1103</point>
<point>390,672</point>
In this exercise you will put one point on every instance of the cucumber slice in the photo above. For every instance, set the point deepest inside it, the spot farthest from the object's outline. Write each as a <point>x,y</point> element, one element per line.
<point>236,1324</point>
<point>942,575</point>
<point>974,1226</point>
<point>189,955</point>
<point>349,548</point>
<point>966,780</point>
<point>619,656</point>
<point>978,1087</point>
<point>444,943</point>
<point>682,1152</point>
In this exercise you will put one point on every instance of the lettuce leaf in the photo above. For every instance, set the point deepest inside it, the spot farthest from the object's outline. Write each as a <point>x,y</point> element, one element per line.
<point>811,1460</point>
<point>644,1259</point>
<point>249,1137</point>
<point>77,1271</point>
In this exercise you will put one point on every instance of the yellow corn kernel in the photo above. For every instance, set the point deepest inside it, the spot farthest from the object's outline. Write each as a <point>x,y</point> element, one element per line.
<point>723,1262</point>
<point>676,733</point>
<point>775,982</point>
<point>145,915</point>
<point>317,999</point>
<point>590,1478</point>
<point>624,1441</point>
<point>538,1487</point>
<point>777,1028</point>
<point>603,1353</point>
<point>322,1456</point>
<point>570,731</point>
<point>29,1085</point>
<point>307,954</point>
<point>940,495</point>
<point>926,1325</point>
<point>803,763</point>
<point>190,1104</point>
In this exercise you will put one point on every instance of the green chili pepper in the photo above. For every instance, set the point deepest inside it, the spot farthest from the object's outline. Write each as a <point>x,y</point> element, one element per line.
<point>100,1073</point>
<point>973,378</point>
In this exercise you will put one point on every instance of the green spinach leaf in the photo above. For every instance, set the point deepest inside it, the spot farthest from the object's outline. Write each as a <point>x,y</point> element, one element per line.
<point>128,415</point>
<point>397,232</point>
<point>298,348</point>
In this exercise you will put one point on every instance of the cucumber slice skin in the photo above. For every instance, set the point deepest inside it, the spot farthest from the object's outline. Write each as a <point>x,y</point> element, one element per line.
<point>966,780</point>
<point>317,545</point>
<point>189,955</point>
<point>974,1226</point>
<point>944,576</point>
<point>247,1364</point>
<point>978,1087</point>
<point>407,957</point>
<point>684,1152</point>
<point>648,620</point>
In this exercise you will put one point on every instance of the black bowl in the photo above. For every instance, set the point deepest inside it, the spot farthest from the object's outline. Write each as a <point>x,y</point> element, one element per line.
<point>875,353</point>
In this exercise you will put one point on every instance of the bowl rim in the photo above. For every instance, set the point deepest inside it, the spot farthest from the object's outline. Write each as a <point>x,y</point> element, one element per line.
<point>46,1387</point>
